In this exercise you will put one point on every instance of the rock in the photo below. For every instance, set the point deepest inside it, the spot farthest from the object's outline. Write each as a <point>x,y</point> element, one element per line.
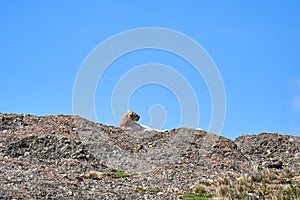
<point>62,156</point>
<point>275,164</point>
<point>262,148</point>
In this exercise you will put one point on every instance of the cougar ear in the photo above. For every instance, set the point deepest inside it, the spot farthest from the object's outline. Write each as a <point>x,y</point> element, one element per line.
<point>130,113</point>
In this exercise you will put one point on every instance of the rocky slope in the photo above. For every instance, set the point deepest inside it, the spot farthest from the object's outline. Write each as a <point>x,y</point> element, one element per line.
<point>264,149</point>
<point>68,157</point>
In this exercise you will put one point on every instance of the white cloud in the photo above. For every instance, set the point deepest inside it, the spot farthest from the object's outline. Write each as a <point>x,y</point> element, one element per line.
<point>296,103</point>
<point>296,99</point>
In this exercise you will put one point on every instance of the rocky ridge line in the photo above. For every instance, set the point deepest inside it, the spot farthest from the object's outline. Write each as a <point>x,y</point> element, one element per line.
<point>46,157</point>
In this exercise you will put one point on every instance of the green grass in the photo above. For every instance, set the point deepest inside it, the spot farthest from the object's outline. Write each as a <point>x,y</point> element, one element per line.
<point>196,196</point>
<point>116,173</point>
<point>152,189</point>
<point>148,189</point>
<point>140,189</point>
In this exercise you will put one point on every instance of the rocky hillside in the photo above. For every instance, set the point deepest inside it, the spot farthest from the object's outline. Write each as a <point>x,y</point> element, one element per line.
<point>68,157</point>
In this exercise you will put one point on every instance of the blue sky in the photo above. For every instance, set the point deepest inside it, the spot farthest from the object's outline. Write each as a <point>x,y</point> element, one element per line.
<point>254,44</point>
